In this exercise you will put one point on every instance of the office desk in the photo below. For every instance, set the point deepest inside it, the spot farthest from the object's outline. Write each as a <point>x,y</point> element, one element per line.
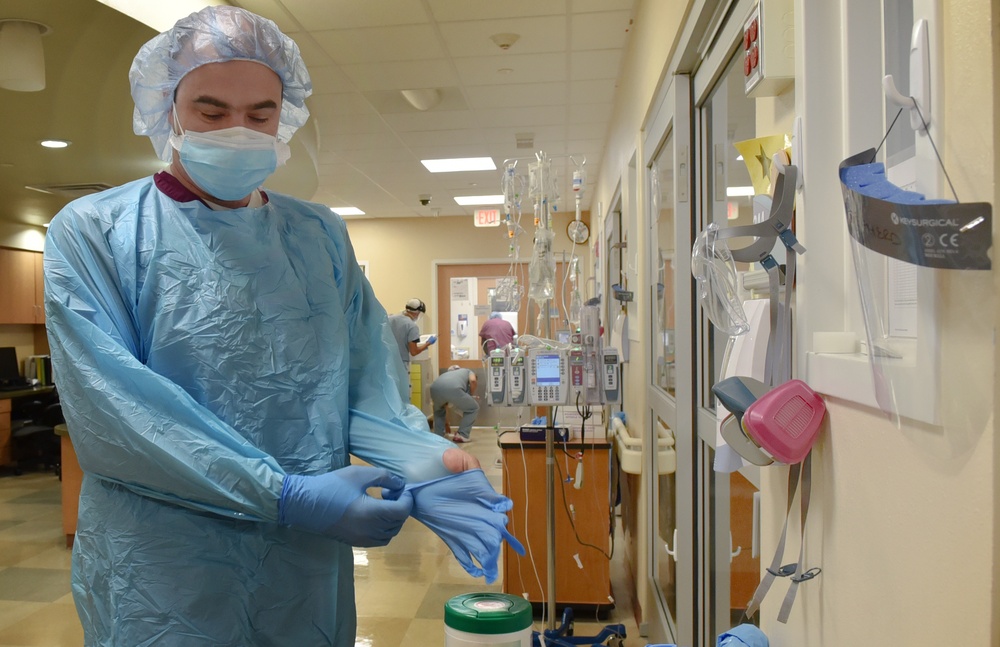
<point>72,477</point>
<point>5,398</point>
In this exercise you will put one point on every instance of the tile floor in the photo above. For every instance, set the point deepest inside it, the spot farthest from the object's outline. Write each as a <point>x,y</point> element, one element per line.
<point>401,589</point>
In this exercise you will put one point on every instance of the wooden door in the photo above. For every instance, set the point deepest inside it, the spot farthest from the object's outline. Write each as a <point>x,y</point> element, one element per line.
<point>488,275</point>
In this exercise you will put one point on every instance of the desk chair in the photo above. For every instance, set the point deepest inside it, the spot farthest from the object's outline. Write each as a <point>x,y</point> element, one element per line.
<point>34,440</point>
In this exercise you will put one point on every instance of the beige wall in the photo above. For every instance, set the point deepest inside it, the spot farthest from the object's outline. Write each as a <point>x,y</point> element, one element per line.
<point>401,252</point>
<point>904,518</point>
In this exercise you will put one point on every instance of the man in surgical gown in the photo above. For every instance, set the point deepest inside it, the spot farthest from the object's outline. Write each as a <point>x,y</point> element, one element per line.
<point>220,357</point>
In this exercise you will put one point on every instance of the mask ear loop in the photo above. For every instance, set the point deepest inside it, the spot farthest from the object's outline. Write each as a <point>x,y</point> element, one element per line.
<point>176,130</point>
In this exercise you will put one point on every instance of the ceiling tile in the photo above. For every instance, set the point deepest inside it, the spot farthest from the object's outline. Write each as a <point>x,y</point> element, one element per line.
<point>529,68</point>
<point>318,16</point>
<point>441,138</point>
<point>590,113</point>
<point>604,30</point>
<point>517,95</point>
<point>597,64</point>
<point>375,45</point>
<point>448,10</point>
<point>436,73</point>
<point>430,120</point>
<point>328,79</point>
<point>541,116</point>
<point>581,6</point>
<point>536,35</point>
<point>593,91</point>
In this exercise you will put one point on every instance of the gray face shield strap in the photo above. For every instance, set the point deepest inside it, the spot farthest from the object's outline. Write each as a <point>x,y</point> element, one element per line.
<point>778,363</point>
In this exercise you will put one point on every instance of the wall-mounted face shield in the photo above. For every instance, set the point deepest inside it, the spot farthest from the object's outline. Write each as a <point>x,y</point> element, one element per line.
<point>901,244</point>
<point>714,269</point>
<point>713,259</point>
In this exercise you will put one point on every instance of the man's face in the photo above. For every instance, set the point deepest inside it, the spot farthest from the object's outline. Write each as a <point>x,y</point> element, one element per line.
<point>233,93</point>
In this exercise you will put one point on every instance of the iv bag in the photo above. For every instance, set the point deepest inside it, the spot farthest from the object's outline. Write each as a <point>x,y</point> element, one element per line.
<point>542,269</point>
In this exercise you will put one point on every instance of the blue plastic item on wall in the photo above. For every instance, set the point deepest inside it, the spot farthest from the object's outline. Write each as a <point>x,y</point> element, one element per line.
<point>745,635</point>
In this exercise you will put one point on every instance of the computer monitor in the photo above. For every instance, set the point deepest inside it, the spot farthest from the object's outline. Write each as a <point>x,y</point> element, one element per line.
<point>9,374</point>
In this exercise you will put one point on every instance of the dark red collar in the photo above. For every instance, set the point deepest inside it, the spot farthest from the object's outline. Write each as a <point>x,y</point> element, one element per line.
<point>173,189</point>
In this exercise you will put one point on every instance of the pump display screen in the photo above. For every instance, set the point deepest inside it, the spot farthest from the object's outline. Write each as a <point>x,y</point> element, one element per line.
<point>547,370</point>
<point>496,361</point>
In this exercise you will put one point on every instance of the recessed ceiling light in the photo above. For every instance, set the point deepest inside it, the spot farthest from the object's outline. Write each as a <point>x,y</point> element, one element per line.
<point>466,200</point>
<point>161,16</point>
<point>54,143</point>
<point>347,211</point>
<point>460,164</point>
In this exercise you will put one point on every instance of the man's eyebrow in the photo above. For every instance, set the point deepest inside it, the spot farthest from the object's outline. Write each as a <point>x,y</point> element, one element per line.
<point>212,101</point>
<point>218,103</point>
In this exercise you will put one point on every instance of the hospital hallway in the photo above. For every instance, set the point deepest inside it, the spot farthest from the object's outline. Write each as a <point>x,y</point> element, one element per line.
<point>401,589</point>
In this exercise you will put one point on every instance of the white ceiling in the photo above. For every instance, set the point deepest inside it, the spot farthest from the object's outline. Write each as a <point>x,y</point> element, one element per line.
<point>558,81</point>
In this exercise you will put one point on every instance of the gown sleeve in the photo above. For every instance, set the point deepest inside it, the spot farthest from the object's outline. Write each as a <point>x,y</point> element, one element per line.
<point>383,429</point>
<point>130,425</point>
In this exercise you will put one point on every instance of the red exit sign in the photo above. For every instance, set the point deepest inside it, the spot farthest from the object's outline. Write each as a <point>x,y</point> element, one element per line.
<point>487,217</point>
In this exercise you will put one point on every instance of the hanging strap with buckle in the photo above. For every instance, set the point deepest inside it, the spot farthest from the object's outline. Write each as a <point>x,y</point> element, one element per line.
<point>778,364</point>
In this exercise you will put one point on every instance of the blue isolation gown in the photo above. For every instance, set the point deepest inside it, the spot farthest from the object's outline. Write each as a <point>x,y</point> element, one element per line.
<point>200,356</point>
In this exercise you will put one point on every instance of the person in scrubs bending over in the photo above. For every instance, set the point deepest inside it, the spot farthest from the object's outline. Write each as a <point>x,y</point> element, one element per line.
<point>220,358</point>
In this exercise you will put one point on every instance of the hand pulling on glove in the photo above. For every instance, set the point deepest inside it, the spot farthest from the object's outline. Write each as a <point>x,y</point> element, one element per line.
<point>337,504</point>
<point>469,515</point>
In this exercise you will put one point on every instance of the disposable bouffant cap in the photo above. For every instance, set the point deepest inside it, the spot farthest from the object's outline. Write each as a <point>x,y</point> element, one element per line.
<point>416,305</point>
<point>215,34</point>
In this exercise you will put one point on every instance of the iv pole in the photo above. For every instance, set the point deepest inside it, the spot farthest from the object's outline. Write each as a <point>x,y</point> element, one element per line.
<point>550,461</point>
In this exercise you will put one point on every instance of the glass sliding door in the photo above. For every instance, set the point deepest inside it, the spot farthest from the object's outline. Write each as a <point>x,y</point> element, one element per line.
<point>668,476</point>
<point>727,502</point>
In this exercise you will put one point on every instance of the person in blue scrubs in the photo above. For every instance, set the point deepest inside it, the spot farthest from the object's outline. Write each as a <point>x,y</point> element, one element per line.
<point>455,387</point>
<point>220,358</point>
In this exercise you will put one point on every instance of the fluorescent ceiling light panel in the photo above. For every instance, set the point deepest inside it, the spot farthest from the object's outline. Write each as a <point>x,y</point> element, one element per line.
<point>347,211</point>
<point>460,164</point>
<point>466,200</point>
<point>739,191</point>
<point>161,16</point>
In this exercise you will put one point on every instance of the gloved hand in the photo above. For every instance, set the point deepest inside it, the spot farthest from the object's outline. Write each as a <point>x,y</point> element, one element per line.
<point>336,504</point>
<point>431,340</point>
<point>469,515</point>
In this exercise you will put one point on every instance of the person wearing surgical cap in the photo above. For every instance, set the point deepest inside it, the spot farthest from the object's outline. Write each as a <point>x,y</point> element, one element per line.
<point>220,359</point>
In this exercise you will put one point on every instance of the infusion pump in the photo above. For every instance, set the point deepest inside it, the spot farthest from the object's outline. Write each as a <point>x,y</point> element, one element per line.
<point>547,376</point>
<point>506,385</point>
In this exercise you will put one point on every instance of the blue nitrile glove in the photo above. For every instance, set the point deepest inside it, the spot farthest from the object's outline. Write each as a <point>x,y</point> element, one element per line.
<point>469,515</point>
<point>745,635</point>
<point>337,505</point>
<point>431,340</point>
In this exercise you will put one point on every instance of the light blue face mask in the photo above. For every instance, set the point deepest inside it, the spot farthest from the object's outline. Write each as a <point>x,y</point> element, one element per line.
<point>230,163</point>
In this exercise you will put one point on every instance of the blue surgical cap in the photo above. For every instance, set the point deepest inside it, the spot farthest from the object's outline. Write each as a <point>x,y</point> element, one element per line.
<point>214,35</point>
